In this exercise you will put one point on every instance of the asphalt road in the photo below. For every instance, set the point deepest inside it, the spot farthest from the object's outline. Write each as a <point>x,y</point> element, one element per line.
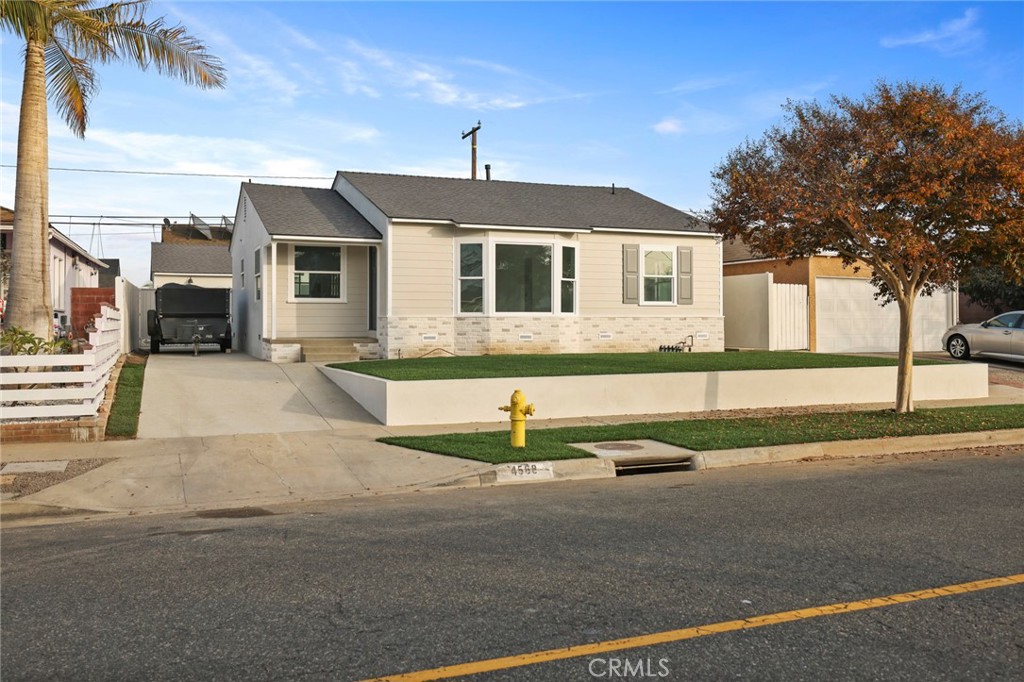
<point>373,587</point>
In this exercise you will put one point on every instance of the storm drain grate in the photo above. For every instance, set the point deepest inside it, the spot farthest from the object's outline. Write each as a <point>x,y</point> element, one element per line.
<point>237,513</point>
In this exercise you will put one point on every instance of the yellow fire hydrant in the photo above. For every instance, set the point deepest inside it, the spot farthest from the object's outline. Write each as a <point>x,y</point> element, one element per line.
<point>518,411</point>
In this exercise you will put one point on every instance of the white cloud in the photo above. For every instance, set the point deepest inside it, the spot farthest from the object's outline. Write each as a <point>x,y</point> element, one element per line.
<point>668,126</point>
<point>768,103</point>
<point>951,37</point>
<point>704,84</point>
<point>369,70</point>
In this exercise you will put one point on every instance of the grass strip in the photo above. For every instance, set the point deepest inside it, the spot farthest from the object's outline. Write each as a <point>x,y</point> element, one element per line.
<point>569,364</point>
<point>124,413</point>
<point>720,434</point>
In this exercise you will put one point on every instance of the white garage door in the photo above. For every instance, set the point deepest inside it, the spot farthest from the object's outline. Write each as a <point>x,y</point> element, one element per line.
<point>850,320</point>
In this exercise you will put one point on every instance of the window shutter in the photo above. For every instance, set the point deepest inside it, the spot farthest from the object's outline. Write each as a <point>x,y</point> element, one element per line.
<point>631,274</point>
<point>684,260</point>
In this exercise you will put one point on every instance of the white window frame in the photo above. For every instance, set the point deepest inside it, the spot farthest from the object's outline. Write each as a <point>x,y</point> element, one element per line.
<point>257,272</point>
<point>489,245</point>
<point>575,279</point>
<point>484,279</point>
<point>343,288</point>
<point>644,250</point>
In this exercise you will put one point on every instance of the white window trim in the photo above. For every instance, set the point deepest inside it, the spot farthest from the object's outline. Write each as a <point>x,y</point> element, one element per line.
<point>644,250</point>
<point>485,280</point>
<point>343,289</point>
<point>257,273</point>
<point>575,279</point>
<point>489,244</point>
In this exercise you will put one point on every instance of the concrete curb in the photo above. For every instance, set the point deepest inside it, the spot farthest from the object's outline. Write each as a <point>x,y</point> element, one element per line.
<point>873,447</point>
<point>557,470</point>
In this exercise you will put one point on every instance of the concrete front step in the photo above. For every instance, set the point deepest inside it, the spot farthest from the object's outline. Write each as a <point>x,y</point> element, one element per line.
<point>332,349</point>
<point>313,356</point>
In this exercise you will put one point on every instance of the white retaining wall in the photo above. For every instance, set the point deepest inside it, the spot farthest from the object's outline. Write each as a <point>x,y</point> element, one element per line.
<point>403,403</point>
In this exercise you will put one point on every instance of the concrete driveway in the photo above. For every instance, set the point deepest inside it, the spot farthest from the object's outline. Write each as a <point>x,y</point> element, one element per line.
<point>217,394</point>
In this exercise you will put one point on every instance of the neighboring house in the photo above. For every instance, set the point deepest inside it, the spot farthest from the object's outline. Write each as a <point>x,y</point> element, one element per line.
<point>841,313</point>
<point>71,267</point>
<point>108,276</point>
<point>205,265</point>
<point>403,266</point>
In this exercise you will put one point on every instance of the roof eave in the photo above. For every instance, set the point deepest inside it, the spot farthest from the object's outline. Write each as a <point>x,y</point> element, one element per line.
<point>644,230</point>
<point>332,240</point>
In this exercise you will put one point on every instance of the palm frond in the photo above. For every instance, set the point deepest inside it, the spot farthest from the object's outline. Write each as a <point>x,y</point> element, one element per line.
<point>72,82</point>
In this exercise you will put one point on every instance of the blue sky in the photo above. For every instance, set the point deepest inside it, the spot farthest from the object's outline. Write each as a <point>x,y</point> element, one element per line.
<point>648,96</point>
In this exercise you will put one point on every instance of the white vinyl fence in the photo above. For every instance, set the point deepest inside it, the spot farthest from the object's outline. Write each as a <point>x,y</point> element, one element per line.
<point>62,386</point>
<point>760,314</point>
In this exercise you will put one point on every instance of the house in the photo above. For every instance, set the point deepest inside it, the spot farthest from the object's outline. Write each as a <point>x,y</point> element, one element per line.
<point>818,304</point>
<point>205,265</point>
<point>402,266</point>
<point>71,267</point>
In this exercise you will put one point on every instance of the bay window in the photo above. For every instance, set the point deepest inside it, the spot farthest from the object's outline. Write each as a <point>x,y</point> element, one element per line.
<point>515,278</point>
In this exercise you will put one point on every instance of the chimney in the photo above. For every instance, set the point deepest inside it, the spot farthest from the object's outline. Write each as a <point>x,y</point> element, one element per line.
<point>487,169</point>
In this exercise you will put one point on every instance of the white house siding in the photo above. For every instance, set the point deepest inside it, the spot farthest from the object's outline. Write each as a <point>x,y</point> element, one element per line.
<point>247,313</point>
<point>601,276</point>
<point>321,319</point>
<point>423,315</point>
<point>422,282</point>
<point>68,270</point>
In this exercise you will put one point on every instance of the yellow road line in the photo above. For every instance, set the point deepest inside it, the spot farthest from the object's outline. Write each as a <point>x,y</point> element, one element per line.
<point>505,662</point>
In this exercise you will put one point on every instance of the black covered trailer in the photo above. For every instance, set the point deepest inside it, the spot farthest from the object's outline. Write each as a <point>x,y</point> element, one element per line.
<point>189,314</point>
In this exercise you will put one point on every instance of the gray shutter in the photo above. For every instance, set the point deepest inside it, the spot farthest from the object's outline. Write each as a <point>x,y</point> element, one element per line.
<point>684,262</point>
<point>631,274</point>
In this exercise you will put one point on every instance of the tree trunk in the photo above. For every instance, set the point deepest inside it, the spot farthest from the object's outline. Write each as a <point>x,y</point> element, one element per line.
<point>29,303</point>
<point>904,373</point>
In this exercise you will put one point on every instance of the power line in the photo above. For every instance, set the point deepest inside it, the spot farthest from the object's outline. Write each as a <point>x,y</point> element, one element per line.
<point>182,174</point>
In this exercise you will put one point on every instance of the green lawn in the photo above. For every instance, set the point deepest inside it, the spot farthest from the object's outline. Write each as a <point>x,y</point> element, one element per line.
<point>490,366</point>
<point>124,413</point>
<point>720,434</point>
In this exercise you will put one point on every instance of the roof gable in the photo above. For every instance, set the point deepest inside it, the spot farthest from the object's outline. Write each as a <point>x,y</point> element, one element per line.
<point>519,204</point>
<point>307,212</point>
<point>190,259</point>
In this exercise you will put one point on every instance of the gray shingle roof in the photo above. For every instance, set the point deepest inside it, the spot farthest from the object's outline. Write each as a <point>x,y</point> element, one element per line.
<point>307,212</point>
<point>190,259</point>
<point>520,204</point>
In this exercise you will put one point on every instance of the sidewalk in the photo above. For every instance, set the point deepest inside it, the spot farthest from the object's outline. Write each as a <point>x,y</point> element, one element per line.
<point>341,458</point>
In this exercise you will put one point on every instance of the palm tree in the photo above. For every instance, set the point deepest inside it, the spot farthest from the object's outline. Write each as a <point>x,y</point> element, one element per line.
<point>63,39</point>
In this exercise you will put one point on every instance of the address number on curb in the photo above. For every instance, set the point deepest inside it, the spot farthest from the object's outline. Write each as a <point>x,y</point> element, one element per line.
<point>526,471</point>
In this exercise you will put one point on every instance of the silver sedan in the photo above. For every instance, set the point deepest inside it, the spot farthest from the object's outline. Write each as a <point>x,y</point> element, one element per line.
<point>1002,336</point>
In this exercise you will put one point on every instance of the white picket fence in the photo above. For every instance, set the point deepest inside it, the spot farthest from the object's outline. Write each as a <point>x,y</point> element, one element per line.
<point>70,385</point>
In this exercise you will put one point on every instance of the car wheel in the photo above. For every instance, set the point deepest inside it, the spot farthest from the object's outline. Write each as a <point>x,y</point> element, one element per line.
<point>958,347</point>
<point>154,345</point>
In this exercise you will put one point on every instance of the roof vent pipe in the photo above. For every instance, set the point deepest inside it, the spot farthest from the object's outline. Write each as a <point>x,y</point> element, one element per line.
<point>613,188</point>
<point>487,169</point>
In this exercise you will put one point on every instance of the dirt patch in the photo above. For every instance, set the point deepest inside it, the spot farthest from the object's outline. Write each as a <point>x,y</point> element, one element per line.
<point>19,485</point>
<point>1006,377</point>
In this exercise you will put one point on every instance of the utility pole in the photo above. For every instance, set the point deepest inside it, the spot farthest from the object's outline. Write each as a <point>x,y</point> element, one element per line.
<point>473,133</point>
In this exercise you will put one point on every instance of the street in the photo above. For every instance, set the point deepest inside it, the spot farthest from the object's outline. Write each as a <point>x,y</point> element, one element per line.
<point>374,587</point>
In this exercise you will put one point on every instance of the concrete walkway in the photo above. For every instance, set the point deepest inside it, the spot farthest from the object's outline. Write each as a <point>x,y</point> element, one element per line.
<point>218,394</point>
